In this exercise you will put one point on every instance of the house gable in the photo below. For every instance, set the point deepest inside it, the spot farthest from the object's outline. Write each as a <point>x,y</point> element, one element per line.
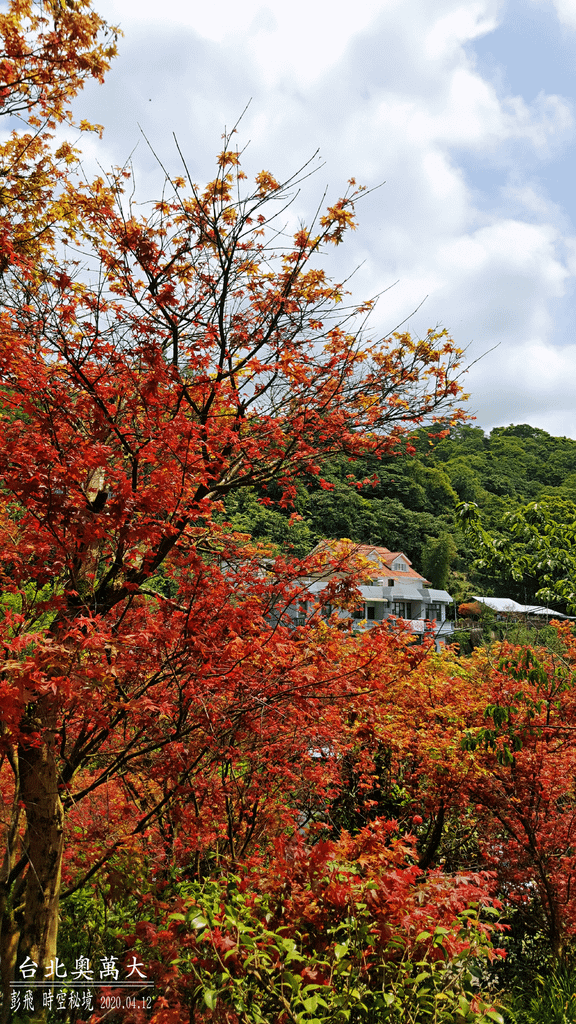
<point>391,588</point>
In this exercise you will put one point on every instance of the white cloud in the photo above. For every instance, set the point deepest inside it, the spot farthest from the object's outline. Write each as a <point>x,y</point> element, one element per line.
<point>566,11</point>
<point>392,93</point>
<point>459,26</point>
<point>301,39</point>
<point>529,383</point>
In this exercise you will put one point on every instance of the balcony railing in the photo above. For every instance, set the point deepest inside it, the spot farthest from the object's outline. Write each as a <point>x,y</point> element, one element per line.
<point>413,625</point>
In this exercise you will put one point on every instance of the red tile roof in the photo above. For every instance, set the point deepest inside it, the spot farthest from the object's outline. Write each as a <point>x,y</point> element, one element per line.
<point>384,557</point>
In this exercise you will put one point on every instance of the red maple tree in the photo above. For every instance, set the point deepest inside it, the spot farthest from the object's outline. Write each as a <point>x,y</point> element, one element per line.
<point>143,673</point>
<point>480,752</point>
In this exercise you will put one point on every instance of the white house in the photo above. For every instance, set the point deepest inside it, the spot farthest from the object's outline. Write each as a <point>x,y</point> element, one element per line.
<point>392,590</point>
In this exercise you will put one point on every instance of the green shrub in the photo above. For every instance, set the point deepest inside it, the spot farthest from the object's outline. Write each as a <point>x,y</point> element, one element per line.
<point>550,1000</point>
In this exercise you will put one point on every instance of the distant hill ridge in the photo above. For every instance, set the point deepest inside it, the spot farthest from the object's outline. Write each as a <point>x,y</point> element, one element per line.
<point>406,502</point>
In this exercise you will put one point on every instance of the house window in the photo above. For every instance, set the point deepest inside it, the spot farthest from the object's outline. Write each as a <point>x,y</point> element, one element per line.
<point>370,612</point>
<point>390,583</point>
<point>358,612</point>
<point>434,611</point>
<point>403,609</point>
<point>400,567</point>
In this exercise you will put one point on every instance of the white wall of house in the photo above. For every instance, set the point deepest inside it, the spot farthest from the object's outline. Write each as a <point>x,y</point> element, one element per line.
<point>406,601</point>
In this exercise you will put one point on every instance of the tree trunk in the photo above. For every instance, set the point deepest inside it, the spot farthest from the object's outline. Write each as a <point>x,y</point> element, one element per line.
<point>9,931</point>
<point>9,953</point>
<point>37,918</point>
<point>431,850</point>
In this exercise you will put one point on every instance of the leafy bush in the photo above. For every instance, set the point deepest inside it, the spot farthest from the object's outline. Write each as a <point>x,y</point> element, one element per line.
<point>341,932</point>
<point>551,1001</point>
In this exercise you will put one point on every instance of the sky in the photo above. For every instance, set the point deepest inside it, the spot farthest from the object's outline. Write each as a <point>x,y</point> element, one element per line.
<point>463,109</point>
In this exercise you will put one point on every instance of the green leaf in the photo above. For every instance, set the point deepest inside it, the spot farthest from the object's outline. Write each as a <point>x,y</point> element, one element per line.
<point>294,980</point>
<point>198,922</point>
<point>420,977</point>
<point>210,998</point>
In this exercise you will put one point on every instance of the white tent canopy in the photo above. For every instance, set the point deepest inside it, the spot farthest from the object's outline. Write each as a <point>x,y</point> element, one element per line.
<point>506,604</point>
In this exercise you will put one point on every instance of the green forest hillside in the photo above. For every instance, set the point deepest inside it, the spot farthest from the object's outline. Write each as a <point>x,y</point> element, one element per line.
<point>408,502</point>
